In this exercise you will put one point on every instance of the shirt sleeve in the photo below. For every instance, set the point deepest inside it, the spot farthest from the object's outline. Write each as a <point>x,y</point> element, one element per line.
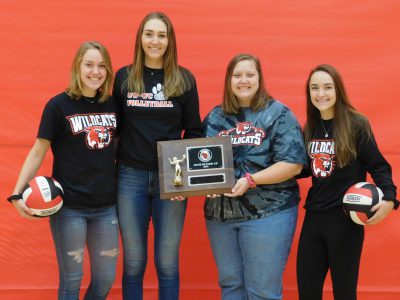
<point>117,94</point>
<point>213,122</point>
<point>305,172</point>
<point>376,165</point>
<point>191,121</point>
<point>49,123</point>
<point>288,143</point>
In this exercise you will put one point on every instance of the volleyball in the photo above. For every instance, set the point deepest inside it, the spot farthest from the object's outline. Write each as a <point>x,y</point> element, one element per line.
<point>43,195</point>
<point>359,199</point>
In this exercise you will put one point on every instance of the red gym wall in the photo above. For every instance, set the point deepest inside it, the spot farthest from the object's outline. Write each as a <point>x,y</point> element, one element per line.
<point>39,39</point>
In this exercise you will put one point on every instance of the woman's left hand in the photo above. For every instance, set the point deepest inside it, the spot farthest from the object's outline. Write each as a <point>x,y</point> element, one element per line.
<point>241,187</point>
<point>382,209</point>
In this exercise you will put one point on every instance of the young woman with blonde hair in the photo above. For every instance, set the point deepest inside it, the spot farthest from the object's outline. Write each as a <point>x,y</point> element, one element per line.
<point>84,165</point>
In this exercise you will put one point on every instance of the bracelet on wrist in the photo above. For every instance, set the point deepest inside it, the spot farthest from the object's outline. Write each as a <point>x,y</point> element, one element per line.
<point>250,180</point>
<point>14,197</point>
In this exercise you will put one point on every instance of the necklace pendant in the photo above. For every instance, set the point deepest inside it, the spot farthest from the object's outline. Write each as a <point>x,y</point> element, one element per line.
<point>326,131</point>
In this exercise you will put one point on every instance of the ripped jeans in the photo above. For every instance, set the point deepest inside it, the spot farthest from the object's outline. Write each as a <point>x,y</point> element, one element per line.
<point>98,229</point>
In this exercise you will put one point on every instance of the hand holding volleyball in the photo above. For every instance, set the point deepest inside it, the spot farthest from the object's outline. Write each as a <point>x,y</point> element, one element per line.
<point>359,200</point>
<point>43,196</point>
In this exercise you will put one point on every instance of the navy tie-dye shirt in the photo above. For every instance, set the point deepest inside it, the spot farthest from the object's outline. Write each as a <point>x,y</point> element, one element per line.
<point>259,140</point>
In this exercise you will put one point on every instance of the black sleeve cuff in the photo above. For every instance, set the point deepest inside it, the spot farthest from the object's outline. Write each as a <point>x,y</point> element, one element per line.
<point>395,202</point>
<point>14,197</point>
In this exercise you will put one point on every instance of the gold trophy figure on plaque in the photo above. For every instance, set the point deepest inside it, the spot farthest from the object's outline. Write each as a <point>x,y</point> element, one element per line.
<point>178,171</point>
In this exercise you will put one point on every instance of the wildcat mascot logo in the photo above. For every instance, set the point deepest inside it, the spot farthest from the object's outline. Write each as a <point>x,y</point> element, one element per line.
<point>244,134</point>
<point>98,137</point>
<point>243,127</point>
<point>322,155</point>
<point>97,127</point>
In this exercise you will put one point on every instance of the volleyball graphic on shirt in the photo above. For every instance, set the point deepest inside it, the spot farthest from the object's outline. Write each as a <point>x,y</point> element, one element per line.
<point>43,196</point>
<point>359,199</point>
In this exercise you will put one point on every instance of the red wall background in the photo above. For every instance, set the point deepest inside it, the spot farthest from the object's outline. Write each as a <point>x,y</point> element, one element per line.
<point>39,39</point>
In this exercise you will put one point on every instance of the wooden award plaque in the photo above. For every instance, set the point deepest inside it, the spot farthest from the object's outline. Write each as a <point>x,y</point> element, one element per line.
<point>195,167</point>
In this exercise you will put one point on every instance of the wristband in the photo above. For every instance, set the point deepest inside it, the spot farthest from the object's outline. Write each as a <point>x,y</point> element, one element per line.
<point>250,180</point>
<point>14,197</point>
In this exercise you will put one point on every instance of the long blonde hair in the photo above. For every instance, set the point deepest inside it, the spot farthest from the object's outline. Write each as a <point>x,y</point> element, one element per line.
<point>75,87</point>
<point>175,83</point>
<point>346,121</point>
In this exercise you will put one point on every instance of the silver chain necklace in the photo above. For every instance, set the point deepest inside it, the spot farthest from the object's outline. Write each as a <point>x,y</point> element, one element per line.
<point>91,101</point>
<point>326,131</point>
<point>153,71</point>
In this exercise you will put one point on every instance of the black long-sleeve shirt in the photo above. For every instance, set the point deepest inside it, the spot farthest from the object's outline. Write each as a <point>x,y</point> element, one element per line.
<point>148,117</point>
<point>329,182</point>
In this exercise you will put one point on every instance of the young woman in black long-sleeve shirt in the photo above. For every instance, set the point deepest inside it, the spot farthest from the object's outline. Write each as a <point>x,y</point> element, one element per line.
<point>341,149</point>
<point>159,102</point>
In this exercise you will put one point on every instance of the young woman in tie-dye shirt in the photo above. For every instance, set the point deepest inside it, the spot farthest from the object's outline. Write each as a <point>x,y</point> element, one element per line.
<point>251,229</point>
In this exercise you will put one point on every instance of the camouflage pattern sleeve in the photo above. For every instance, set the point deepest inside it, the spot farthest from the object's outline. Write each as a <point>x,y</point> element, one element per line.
<point>288,143</point>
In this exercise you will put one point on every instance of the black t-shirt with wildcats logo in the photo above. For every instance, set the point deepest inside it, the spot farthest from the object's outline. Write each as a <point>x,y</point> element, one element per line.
<point>329,182</point>
<point>150,117</point>
<point>82,134</point>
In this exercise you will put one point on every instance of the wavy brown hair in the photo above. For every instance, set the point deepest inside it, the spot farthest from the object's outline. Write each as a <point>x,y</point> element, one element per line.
<point>230,103</point>
<point>347,120</point>
<point>75,89</point>
<point>175,83</point>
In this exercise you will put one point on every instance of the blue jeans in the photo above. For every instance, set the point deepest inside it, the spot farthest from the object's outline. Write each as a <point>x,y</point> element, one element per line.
<point>98,229</point>
<point>138,202</point>
<point>251,255</point>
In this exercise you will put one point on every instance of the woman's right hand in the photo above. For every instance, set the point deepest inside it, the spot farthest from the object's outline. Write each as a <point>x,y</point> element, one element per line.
<point>23,210</point>
<point>240,188</point>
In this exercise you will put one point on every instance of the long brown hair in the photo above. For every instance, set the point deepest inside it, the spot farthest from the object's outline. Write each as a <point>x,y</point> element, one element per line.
<point>230,103</point>
<point>347,120</point>
<point>175,83</point>
<point>75,88</point>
